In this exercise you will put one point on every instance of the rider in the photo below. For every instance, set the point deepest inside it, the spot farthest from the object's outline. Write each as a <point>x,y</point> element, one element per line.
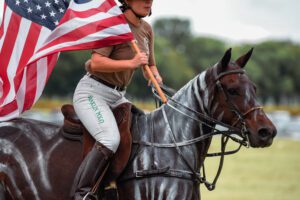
<point>109,72</point>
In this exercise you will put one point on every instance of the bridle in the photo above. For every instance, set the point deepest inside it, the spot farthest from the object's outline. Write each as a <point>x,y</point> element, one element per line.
<point>210,122</point>
<point>232,107</point>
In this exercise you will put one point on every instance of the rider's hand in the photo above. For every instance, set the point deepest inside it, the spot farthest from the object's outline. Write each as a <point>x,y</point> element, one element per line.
<point>139,59</point>
<point>158,79</point>
<point>88,65</point>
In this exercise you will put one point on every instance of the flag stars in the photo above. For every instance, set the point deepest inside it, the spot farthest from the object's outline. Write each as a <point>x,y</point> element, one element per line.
<point>47,13</point>
<point>29,10</point>
<point>43,16</point>
<point>47,4</point>
<point>52,13</point>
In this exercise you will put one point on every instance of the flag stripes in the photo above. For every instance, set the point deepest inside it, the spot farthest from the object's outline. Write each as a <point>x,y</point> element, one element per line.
<point>29,49</point>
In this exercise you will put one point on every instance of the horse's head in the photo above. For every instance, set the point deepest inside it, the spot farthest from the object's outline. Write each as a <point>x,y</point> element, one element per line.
<point>233,100</point>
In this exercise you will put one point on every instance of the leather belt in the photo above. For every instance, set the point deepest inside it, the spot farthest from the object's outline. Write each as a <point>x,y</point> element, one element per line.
<point>106,83</point>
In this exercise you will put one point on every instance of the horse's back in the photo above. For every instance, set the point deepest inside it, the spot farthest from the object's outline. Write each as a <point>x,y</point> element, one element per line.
<point>34,158</point>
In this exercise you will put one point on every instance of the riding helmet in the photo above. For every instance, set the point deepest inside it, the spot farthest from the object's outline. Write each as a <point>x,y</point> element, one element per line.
<point>125,6</point>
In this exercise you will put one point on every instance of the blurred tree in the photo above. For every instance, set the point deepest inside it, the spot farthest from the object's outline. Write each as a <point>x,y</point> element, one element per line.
<point>66,74</point>
<point>278,67</point>
<point>172,64</point>
<point>176,30</point>
<point>204,52</point>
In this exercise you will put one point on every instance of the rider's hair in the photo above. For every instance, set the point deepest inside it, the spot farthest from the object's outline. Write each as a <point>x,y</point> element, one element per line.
<point>124,5</point>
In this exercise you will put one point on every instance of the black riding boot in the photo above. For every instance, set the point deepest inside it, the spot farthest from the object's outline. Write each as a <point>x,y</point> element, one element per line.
<point>92,167</point>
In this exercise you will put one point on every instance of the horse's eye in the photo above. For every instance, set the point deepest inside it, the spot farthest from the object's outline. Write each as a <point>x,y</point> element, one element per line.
<point>233,91</point>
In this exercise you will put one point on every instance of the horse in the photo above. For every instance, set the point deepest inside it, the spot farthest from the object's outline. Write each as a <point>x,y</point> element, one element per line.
<point>169,144</point>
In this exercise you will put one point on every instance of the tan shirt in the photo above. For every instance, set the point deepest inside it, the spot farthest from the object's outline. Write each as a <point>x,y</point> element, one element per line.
<point>144,36</point>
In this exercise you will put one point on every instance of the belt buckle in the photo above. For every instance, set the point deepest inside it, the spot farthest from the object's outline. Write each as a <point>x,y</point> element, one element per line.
<point>117,88</point>
<point>138,174</point>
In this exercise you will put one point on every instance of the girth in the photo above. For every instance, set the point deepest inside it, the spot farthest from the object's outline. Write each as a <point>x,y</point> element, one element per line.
<point>166,171</point>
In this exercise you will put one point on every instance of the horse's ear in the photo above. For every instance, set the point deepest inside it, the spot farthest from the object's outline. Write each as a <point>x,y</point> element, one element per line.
<point>225,61</point>
<point>242,61</point>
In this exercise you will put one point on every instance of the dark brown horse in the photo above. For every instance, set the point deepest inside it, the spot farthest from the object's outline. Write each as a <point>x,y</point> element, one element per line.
<point>169,144</point>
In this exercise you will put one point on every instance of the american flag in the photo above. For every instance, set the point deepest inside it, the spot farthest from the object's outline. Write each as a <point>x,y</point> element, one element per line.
<point>32,34</point>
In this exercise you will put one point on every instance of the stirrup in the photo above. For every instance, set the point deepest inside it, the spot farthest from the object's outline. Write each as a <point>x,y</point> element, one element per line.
<point>90,196</point>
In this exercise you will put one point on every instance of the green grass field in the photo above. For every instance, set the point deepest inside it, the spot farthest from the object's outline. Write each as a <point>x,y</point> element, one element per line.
<point>258,174</point>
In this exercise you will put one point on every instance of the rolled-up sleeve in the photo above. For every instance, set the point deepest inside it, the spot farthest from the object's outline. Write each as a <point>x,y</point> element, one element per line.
<point>105,51</point>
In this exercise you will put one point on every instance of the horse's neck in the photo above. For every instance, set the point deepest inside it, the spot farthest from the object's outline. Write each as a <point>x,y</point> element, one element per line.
<point>193,95</point>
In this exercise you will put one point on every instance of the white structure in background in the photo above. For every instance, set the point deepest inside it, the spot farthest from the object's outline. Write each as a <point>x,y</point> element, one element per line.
<point>280,118</point>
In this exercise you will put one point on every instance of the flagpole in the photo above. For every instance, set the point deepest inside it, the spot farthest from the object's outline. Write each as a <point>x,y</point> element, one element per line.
<point>150,74</point>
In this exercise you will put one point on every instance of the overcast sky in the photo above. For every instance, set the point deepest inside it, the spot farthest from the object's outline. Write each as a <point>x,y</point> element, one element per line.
<point>237,20</point>
<point>234,20</point>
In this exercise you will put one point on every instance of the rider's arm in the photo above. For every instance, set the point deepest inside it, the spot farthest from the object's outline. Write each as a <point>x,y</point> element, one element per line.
<point>152,63</point>
<point>101,63</point>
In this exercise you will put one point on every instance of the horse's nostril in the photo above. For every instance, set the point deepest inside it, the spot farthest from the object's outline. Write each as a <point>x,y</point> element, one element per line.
<point>274,133</point>
<point>264,132</point>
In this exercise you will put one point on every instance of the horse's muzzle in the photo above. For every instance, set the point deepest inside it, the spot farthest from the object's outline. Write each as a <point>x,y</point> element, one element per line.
<point>263,138</point>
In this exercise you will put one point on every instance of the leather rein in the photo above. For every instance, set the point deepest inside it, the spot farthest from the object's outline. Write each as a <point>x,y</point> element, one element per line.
<point>208,121</point>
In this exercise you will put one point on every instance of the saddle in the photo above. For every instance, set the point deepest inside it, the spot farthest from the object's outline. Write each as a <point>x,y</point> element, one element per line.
<point>73,129</point>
